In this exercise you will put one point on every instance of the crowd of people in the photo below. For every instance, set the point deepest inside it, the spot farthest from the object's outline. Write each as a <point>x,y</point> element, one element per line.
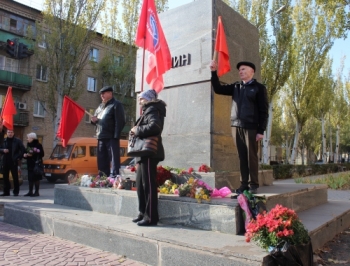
<point>249,114</point>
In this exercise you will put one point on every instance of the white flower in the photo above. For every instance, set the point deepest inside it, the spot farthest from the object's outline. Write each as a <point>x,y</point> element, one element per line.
<point>85,181</point>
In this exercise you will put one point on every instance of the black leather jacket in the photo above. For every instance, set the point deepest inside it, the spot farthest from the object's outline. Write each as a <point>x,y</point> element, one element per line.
<point>250,107</point>
<point>152,125</point>
<point>17,150</point>
<point>111,120</point>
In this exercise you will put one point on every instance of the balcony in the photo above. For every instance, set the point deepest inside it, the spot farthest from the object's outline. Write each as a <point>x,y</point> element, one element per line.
<point>21,119</point>
<point>16,80</point>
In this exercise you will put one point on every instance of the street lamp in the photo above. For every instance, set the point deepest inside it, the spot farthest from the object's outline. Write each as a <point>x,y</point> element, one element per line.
<point>282,8</point>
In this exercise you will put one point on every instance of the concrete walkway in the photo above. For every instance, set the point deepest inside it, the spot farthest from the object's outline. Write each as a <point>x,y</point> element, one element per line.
<point>22,247</point>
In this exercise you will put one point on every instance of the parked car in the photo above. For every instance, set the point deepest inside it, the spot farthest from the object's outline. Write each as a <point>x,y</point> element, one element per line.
<point>78,157</point>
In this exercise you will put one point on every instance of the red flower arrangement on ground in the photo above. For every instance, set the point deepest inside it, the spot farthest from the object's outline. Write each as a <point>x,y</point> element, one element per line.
<point>204,168</point>
<point>279,224</point>
<point>162,175</point>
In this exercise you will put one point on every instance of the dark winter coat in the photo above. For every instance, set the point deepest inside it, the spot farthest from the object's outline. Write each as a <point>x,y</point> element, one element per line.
<point>152,124</point>
<point>17,150</point>
<point>35,155</point>
<point>250,107</point>
<point>111,120</point>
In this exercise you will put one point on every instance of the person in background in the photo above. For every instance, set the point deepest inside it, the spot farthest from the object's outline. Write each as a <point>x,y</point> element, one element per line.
<point>12,150</point>
<point>153,113</point>
<point>109,119</point>
<point>33,153</point>
<point>249,114</point>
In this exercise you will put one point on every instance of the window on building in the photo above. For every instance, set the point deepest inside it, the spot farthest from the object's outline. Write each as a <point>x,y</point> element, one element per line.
<point>13,24</point>
<point>118,61</point>
<point>91,84</point>
<point>42,42</point>
<point>87,117</point>
<point>39,108</point>
<point>93,56</point>
<point>72,81</point>
<point>40,139</point>
<point>41,73</point>
<point>8,64</point>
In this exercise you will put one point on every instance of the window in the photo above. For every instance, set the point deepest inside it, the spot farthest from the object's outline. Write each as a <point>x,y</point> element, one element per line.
<point>91,84</point>
<point>41,73</point>
<point>93,151</point>
<point>93,56</point>
<point>8,64</point>
<point>79,152</point>
<point>42,42</point>
<point>39,108</point>
<point>13,24</point>
<point>87,117</point>
<point>118,61</point>
<point>72,81</point>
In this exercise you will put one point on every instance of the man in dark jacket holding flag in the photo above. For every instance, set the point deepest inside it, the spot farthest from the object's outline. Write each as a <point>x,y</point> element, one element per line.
<point>109,119</point>
<point>249,114</point>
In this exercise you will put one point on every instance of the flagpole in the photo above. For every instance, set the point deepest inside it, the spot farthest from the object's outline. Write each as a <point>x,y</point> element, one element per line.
<point>215,55</point>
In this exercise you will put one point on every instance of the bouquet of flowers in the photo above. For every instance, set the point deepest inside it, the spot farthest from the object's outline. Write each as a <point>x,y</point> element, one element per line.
<point>195,188</point>
<point>162,175</point>
<point>204,168</point>
<point>32,150</point>
<point>102,181</point>
<point>168,188</point>
<point>279,224</point>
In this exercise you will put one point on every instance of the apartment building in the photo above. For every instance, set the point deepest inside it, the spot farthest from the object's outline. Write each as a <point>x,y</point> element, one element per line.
<point>24,75</point>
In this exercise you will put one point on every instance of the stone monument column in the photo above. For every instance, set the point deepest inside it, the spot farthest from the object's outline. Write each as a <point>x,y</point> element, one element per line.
<point>197,126</point>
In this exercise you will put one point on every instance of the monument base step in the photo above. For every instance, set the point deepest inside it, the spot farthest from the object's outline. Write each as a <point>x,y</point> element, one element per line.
<point>220,214</point>
<point>166,245</point>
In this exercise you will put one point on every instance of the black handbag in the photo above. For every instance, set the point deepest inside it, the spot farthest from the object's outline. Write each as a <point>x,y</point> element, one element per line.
<point>38,168</point>
<point>140,147</point>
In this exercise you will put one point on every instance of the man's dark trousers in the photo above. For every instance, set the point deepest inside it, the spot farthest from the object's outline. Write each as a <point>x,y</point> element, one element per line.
<point>13,167</point>
<point>247,146</point>
<point>108,156</point>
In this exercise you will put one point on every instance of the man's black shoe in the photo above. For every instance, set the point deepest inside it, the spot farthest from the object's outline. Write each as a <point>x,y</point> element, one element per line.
<point>16,195</point>
<point>146,223</point>
<point>241,190</point>
<point>253,190</point>
<point>5,194</point>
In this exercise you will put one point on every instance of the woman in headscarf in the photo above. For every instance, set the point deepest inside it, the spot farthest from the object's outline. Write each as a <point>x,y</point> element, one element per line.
<point>152,122</point>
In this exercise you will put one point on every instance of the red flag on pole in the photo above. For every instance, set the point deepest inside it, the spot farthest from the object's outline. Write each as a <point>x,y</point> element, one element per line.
<point>150,37</point>
<point>8,110</point>
<point>221,48</point>
<point>71,115</point>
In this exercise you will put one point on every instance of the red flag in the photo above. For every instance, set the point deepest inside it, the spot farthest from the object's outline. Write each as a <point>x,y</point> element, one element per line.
<point>71,115</point>
<point>221,48</point>
<point>8,110</point>
<point>150,37</point>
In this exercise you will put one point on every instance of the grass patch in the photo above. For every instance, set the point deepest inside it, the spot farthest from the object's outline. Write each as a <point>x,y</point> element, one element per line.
<point>340,182</point>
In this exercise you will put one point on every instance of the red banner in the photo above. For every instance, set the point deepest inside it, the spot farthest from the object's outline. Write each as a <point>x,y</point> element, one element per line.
<point>8,110</point>
<point>150,37</point>
<point>221,48</point>
<point>71,115</point>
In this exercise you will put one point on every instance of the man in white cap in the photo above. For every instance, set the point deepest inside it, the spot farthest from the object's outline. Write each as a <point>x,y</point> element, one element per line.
<point>249,114</point>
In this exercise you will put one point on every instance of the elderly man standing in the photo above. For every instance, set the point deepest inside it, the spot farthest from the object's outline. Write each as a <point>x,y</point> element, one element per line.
<point>109,119</point>
<point>249,114</point>
<point>13,150</point>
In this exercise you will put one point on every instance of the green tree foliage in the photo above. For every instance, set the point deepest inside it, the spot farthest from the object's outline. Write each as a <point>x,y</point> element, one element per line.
<point>119,24</point>
<point>67,28</point>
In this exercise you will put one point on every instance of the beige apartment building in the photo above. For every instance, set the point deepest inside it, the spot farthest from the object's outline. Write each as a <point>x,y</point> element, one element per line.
<point>24,75</point>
